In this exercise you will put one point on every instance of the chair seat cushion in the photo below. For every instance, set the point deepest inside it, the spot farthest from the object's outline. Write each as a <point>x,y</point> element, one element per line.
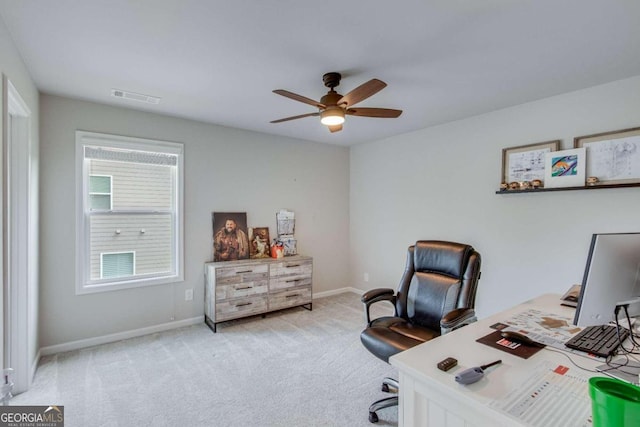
<point>387,336</point>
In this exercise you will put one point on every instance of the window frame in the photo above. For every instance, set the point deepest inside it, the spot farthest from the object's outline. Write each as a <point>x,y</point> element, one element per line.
<point>86,285</point>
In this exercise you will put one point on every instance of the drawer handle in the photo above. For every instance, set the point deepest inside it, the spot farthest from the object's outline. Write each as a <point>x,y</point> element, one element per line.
<point>246,271</point>
<point>244,287</point>
<point>292,265</point>
<point>293,280</point>
<point>243,304</point>
<point>292,296</point>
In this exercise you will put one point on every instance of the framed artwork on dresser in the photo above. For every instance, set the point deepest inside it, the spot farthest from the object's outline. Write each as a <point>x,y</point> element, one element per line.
<point>230,240</point>
<point>259,242</point>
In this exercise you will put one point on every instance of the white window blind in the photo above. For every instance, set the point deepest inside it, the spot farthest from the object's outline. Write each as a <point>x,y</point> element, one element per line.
<point>117,264</point>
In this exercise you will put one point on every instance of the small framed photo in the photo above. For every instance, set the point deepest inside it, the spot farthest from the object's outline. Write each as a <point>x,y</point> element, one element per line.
<point>259,242</point>
<point>612,157</point>
<point>290,244</point>
<point>526,162</point>
<point>565,168</point>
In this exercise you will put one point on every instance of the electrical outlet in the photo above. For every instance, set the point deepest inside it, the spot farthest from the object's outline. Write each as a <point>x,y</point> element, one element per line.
<point>188,295</point>
<point>366,277</point>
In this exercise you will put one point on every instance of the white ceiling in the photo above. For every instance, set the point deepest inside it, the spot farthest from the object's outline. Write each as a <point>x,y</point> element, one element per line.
<point>217,61</point>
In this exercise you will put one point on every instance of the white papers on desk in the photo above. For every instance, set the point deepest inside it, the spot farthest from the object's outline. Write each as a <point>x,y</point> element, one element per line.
<point>547,328</point>
<point>549,325</point>
<point>548,399</point>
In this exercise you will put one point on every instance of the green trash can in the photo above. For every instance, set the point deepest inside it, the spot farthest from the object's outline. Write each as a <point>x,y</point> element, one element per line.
<point>614,403</point>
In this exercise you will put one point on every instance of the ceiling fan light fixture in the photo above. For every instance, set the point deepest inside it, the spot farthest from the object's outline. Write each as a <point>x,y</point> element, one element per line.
<point>332,116</point>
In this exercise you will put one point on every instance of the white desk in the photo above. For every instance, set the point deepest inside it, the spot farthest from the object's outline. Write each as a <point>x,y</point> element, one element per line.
<point>430,397</point>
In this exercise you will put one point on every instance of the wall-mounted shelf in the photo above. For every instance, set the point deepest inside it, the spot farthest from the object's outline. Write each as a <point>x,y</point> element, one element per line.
<point>590,187</point>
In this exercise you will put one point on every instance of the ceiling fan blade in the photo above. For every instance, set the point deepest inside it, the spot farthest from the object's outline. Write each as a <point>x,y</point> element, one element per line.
<point>335,128</point>
<point>286,119</point>
<point>374,112</point>
<point>299,98</point>
<point>362,92</point>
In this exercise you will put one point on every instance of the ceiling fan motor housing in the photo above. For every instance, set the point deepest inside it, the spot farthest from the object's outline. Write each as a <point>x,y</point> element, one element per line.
<point>331,98</point>
<point>331,80</point>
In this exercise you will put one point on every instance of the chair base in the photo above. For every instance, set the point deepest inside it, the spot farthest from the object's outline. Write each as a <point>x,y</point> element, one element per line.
<point>387,401</point>
<point>390,382</point>
<point>380,404</point>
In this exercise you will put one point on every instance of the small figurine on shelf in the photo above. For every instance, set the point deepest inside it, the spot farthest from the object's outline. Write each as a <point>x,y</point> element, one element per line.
<point>592,181</point>
<point>277,249</point>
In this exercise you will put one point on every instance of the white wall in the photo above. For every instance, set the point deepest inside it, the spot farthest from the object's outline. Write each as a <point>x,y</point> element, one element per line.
<point>12,66</point>
<point>227,170</point>
<point>440,183</point>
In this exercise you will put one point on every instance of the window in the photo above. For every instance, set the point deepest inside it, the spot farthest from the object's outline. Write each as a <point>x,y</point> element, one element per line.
<point>117,264</point>
<point>99,192</point>
<point>129,203</point>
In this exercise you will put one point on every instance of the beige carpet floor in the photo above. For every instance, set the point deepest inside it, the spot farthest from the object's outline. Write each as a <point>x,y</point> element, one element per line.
<point>292,368</point>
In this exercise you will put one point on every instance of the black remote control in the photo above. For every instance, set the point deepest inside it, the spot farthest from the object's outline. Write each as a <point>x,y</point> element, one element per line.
<point>447,364</point>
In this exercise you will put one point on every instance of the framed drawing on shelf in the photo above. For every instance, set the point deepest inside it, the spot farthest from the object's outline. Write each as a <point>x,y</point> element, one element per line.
<point>230,241</point>
<point>612,157</point>
<point>259,242</point>
<point>565,168</point>
<point>526,162</point>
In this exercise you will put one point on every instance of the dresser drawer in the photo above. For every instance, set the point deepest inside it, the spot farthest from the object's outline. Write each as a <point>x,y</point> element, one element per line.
<point>291,268</point>
<point>290,298</point>
<point>293,281</point>
<point>239,290</point>
<point>242,274</point>
<point>232,309</point>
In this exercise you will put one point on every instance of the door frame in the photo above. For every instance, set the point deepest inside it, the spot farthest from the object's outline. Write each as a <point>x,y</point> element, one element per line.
<point>18,234</point>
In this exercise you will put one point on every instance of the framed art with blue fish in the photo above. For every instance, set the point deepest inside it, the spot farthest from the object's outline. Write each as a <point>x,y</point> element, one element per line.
<point>565,168</point>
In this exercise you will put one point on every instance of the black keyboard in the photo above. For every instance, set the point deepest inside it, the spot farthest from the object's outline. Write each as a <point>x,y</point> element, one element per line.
<point>601,340</point>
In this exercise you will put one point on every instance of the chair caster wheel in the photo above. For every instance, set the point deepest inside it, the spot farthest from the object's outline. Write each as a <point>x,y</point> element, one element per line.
<point>373,417</point>
<point>385,388</point>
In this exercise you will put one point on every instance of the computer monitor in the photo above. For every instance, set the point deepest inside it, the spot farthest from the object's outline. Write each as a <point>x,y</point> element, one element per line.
<point>612,275</point>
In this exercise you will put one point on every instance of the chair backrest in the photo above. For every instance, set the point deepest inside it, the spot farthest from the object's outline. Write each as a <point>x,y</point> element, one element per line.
<point>438,277</point>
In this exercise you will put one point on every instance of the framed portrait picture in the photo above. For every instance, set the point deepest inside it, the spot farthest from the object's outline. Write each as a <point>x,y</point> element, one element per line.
<point>259,242</point>
<point>565,168</point>
<point>230,240</point>
<point>612,157</point>
<point>526,162</point>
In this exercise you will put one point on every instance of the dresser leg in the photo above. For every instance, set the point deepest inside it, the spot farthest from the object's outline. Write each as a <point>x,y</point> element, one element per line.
<point>210,324</point>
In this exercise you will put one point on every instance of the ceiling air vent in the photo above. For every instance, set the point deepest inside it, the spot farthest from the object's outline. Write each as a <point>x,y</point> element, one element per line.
<point>134,96</point>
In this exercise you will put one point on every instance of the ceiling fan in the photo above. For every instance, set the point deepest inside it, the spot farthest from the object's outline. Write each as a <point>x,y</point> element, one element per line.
<point>333,107</point>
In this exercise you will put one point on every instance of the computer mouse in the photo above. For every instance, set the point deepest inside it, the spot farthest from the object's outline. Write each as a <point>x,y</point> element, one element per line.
<point>520,338</point>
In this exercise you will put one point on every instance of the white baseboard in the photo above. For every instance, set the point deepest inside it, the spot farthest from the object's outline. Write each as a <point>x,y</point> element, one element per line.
<point>337,291</point>
<point>104,339</point>
<point>34,366</point>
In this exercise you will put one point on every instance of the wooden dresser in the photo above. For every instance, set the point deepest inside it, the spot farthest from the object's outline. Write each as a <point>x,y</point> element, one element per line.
<point>236,289</point>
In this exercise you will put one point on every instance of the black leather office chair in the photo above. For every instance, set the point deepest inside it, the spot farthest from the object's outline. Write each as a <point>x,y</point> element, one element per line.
<point>436,295</point>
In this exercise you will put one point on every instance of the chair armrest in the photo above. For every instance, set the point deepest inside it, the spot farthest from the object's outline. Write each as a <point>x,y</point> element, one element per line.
<point>456,319</point>
<point>376,295</point>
